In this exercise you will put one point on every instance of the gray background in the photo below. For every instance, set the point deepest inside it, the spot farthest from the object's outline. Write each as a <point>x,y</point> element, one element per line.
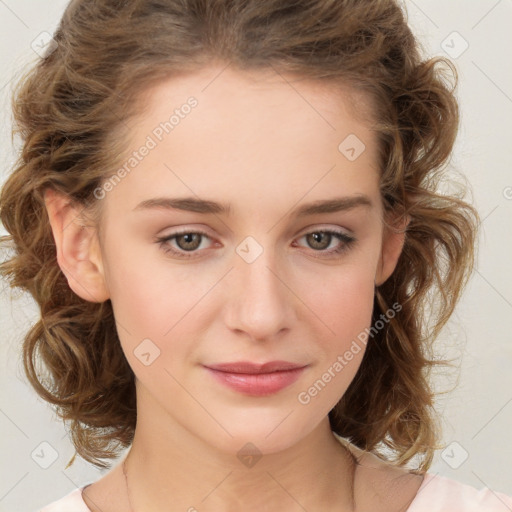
<point>476,416</point>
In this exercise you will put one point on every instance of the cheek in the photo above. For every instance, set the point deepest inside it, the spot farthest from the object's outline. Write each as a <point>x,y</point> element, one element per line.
<point>156,301</point>
<point>354,307</point>
<point>147,300</point>
<point>152,311</point>
<point>134,297</point>
<point>343,304</point>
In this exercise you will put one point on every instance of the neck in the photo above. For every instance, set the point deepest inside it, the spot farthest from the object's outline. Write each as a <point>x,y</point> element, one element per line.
<point>168,464</point>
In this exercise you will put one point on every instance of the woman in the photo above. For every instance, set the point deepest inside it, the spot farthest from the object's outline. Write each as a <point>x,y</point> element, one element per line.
<point>228,214</point>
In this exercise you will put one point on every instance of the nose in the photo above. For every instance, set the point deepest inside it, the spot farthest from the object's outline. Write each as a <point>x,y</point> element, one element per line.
<point>259,302</point>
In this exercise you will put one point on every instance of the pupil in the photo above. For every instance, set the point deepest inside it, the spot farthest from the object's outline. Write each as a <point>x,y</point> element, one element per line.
<point>189,240</point>
<point>317,239</point>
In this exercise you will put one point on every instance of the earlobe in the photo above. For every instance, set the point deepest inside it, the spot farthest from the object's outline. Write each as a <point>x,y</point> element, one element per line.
<point>78,251</point>
<point>392,245</point>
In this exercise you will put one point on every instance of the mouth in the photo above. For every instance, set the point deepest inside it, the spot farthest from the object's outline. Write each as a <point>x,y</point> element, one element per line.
<point>256,379</point>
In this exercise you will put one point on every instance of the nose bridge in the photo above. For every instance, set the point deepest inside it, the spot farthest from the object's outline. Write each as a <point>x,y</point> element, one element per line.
<point>260,304</point>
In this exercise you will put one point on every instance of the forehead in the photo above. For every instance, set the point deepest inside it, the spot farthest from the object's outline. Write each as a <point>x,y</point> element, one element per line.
<point>249,134</point>
<point>265,89</point>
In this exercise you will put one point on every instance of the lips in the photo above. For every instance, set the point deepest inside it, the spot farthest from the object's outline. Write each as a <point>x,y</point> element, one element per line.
<point>253,368</point>
<point>256,379</point>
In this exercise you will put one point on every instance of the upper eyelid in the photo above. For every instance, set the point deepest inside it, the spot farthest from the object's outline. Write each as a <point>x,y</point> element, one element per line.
<point>319,227</point>
<point>310,229</point>
<point>304,232</point>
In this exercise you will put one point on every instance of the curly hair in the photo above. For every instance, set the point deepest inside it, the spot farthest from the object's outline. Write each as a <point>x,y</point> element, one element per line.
<point>71,111</point>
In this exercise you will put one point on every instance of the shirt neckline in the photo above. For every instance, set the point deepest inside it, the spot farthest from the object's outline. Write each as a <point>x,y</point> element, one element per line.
<point>426,478</point>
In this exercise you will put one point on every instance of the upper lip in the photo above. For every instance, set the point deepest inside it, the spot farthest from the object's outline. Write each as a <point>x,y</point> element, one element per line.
<point>249,367</point>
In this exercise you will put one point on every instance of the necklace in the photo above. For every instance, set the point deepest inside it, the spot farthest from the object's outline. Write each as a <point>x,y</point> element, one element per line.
<point>351,456</point>
<point>126,482</point>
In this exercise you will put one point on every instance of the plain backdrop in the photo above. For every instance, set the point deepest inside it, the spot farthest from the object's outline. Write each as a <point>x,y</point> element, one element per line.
<point>476,415</point>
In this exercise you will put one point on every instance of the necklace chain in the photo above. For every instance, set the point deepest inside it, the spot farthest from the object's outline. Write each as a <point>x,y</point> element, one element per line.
<point>126,482</point>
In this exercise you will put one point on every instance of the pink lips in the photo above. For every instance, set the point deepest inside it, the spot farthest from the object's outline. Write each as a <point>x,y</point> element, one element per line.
<point>257,379</point>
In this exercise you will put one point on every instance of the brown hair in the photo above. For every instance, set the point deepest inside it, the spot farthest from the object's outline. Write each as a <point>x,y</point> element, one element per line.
<point>70,109</point>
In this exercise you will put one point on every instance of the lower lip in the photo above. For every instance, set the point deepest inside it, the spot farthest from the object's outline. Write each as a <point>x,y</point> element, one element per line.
<point>258,384</point>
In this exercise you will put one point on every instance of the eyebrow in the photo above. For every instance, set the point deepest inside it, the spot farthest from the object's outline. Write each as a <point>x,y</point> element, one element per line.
<point>192,204</point>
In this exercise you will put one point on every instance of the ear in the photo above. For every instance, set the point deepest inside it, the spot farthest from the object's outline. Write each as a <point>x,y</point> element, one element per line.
<point>393,239</point>
<point>78,250</point>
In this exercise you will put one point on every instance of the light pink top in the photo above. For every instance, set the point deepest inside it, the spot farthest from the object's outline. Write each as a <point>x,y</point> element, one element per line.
<point>436,494</point>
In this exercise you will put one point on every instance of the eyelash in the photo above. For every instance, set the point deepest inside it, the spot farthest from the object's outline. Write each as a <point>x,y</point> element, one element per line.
<point>347,240</point>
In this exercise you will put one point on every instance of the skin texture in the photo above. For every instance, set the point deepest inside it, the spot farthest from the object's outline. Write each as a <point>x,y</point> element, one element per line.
<point>264,147</point>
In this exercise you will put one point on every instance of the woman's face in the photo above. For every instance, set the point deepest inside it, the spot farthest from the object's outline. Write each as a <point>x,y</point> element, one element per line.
<point>234,164</point>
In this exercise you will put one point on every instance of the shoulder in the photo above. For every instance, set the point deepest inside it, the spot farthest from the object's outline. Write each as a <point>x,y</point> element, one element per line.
<point>72,502</point>
<point>442,494</point>
<point>382,487</point>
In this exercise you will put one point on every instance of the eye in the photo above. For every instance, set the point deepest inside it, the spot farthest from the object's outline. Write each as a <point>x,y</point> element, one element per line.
<point>189,242</point>
<point>321,239</point>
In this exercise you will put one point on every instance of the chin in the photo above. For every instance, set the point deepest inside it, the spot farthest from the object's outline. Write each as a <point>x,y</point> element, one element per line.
<point>264,434</point>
